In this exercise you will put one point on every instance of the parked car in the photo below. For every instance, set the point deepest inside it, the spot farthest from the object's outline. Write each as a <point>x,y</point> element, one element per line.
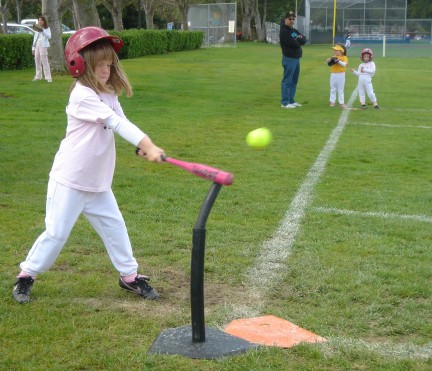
<point>31,22</point>
<point>18,29</point>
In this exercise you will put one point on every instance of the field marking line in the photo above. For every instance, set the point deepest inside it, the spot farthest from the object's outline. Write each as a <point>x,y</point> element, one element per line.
<point>412,109</point>
<point>392,126</point>
<point>377,214</point>
<point>386,349</point>
<point>271,263</point>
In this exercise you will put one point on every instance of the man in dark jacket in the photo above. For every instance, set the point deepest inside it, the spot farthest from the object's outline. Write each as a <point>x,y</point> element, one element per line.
<point>291,41</point>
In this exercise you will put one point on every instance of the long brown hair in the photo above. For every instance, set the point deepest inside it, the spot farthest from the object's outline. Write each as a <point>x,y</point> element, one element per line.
<point>44,21</point>
<point>118,82</point>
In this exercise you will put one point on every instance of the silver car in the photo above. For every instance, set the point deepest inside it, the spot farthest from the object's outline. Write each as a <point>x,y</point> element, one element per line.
<point>18,29</point>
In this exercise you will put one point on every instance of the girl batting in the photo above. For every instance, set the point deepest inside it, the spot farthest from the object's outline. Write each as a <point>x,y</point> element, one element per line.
<point>83,168</point>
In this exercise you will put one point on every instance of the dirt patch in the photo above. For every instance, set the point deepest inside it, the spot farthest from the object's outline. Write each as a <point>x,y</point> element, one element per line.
<point>178,288</point>
<point>174,287</point>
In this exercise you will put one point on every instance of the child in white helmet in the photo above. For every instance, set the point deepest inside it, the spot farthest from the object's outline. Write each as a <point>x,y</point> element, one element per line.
<point>365,72</point>
<point>82,172</point>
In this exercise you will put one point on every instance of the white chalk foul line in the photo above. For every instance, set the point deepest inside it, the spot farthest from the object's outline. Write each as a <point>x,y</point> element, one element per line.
<point>386,349</point>
<point>376,214</point>
<point>392,126</point>
<point>271,263</point>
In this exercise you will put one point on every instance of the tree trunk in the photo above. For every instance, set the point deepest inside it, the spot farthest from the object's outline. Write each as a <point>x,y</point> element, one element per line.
<point>258,23</point>
<point>63,7</point>
<point>4,9</point>
<point>18,10</point>
<point>149,10</point>
<point>247,14</point>
<point>86,13</point>
<point>264,20</point>
<point>184,8</point>
<point>49,9</point>
<point>116,14</point>
<point>115,7</point>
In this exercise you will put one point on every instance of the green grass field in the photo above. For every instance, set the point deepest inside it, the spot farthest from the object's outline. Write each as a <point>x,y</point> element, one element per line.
<point>330,227</point>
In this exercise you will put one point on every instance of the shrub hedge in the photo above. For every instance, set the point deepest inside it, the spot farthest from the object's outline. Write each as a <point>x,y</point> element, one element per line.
<point>15,49</point>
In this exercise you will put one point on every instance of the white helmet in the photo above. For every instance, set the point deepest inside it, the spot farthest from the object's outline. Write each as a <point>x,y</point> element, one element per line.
<point>366,51</point>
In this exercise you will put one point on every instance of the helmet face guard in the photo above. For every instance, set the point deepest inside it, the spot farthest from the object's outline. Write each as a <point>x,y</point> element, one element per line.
<point>366,51</point>
<point>81,39</point>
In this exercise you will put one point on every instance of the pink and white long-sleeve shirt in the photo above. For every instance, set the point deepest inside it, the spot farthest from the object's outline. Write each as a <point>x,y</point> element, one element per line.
<point>86,157</point>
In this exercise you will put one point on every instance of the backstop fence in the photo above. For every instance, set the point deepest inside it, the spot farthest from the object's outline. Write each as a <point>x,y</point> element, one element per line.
<point>217,21</point>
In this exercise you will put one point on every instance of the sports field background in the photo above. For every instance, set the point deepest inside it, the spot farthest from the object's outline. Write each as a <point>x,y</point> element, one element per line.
<point>330,227</point>
<point>413,49</point>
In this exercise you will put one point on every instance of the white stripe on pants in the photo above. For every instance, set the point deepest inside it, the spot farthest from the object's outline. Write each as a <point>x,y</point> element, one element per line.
<point>41,60</point>
<point>63,207</point>
<point>337,85</point>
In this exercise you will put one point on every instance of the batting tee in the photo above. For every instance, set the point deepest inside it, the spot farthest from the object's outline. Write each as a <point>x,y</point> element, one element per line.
<point>217,21</point>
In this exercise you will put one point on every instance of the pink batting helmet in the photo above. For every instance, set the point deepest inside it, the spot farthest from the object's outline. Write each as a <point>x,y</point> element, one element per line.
<point>366,51</point>
<point>82,38</point>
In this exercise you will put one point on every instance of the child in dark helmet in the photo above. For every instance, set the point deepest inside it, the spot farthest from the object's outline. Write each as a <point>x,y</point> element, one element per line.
<point>82,172</point>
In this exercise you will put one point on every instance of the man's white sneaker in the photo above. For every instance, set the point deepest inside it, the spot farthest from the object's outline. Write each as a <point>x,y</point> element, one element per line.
<point>288,106</point>
<point>296,104</point>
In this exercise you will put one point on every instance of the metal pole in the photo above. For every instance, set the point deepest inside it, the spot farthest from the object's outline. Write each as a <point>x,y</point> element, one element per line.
<point>385,16</point>
<point>334,20</point>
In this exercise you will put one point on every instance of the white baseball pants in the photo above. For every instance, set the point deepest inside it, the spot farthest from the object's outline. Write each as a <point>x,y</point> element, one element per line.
<point>63,207</point>
<point>365,85</point>
<point>41,61</point>
<point>337,85</point>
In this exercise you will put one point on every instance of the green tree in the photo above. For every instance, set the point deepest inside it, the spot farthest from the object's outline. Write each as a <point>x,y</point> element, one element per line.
<point>419,9</point>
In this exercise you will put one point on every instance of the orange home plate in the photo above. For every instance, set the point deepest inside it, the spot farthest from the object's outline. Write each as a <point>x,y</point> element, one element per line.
<point>271,330</point>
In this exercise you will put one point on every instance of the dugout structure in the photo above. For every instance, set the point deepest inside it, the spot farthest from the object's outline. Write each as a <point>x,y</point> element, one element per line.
<point>216,21</point>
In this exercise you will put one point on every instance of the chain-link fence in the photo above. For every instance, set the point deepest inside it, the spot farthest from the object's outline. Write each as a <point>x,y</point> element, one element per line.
<point>217,21</point>
<point>272,32</point>
<point>273,29</point>
<point>363,19</point>
<point>380,24</point>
